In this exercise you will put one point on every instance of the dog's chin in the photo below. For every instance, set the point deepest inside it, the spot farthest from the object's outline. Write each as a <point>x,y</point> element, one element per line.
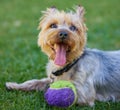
<point>61,50</point>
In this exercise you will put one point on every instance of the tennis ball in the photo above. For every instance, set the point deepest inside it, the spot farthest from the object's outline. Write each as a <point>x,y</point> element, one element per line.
<point>61,94</point>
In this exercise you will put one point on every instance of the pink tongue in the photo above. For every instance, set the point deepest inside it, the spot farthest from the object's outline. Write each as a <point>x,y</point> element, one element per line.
<point>60,58</point>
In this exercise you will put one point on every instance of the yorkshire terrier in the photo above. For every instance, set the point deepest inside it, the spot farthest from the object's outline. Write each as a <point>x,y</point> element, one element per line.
<point>95,73</point>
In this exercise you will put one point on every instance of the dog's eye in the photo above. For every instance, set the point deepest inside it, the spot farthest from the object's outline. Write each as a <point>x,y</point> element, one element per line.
<point>73,28</point>
<point>53,26</point>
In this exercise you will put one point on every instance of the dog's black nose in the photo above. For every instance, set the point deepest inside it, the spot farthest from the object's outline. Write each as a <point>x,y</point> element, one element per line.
<point>63,35</point>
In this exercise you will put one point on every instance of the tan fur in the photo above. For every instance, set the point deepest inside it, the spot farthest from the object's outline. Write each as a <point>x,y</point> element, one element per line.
<point>49,37</point>
<point>48,40</point>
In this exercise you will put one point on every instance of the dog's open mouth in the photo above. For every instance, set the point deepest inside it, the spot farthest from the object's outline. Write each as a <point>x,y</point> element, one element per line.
<point>60,54</point>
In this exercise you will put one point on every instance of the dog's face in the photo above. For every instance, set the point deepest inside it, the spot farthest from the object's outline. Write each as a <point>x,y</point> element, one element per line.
<point>63,35</point>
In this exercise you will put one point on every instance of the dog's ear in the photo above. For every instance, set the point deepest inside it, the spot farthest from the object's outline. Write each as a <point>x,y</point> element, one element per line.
<point>52,9</point>
<point>49,11</point>
<point>80,11</point>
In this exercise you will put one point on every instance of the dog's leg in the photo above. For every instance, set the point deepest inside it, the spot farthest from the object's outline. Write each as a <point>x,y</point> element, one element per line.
<point>86,93</point>
<point>29,85</point>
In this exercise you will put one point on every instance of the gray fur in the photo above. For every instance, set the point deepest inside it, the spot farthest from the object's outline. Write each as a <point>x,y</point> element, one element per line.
<point>103,68</point>
<point>96,76</point>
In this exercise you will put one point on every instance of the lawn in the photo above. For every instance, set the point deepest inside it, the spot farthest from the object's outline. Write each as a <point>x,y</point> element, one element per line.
<point>21,59</point>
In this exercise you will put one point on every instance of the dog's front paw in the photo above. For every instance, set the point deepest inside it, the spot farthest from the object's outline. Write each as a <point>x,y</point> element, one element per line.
<point>91,104</point>
<point>11,85</point>
<point>29,85</point>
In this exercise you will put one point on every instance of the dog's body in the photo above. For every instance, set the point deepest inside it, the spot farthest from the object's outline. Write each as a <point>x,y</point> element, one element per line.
<point>95,75</point>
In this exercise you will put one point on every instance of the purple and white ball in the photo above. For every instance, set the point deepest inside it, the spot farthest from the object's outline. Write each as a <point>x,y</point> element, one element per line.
<point>61,94</point>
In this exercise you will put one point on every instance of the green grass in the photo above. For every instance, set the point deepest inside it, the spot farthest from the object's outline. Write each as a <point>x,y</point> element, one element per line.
<point>21,59</point>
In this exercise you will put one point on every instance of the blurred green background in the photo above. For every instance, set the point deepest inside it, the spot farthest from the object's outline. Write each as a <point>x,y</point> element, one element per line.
<point>21,58</point>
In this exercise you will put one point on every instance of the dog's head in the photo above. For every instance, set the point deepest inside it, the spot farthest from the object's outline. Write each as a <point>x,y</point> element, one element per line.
<point>63,34</point>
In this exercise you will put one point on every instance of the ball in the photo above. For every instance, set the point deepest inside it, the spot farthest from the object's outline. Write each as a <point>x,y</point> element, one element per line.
<point>61,94</point>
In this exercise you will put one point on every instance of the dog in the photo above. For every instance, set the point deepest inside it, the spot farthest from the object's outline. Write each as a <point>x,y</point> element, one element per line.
<point>63,37</point>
